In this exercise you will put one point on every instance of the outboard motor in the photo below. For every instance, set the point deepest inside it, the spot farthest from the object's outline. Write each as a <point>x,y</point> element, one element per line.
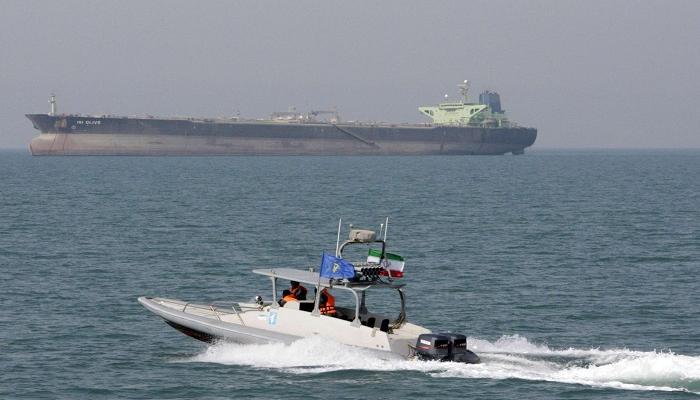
<point>445,347</point>
<point>458,349</point>
<point>431,346</point>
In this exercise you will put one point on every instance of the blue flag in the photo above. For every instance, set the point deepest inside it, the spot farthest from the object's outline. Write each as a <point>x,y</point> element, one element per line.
<point>336,267</point>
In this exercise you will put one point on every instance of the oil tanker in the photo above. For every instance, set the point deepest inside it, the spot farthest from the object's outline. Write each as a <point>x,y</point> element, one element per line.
<point>455,127</point>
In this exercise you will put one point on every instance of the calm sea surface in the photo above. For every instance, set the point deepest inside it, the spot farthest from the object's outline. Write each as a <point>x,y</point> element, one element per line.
<point>574,273</point>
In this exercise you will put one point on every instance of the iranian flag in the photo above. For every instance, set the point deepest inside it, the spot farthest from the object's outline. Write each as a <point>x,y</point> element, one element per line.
<point>393,263</point>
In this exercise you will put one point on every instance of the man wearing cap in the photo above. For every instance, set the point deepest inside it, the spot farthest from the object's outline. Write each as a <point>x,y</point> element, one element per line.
<point>298,291</point>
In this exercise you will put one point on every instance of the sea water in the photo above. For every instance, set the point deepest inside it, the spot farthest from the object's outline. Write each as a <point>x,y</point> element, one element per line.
<point>573,273</point>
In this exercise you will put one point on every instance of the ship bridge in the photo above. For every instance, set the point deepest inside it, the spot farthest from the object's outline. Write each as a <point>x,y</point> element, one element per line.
<point>486,113</point>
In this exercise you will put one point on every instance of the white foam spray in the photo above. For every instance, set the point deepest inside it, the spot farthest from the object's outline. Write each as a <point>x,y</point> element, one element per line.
<point>510,357</point>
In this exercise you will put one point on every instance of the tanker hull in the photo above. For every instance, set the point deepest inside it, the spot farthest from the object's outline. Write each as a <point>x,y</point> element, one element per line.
<point>78,135</point>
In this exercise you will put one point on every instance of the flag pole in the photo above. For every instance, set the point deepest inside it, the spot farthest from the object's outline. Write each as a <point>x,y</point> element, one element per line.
<point>337,242</point>
<point>317,299</point>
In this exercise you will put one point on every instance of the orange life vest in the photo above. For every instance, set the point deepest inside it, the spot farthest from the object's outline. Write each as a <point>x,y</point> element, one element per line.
<point>328,308</point>
<point>289,297</point>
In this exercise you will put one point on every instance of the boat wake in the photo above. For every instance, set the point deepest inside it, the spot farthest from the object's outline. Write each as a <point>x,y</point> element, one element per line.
<point>510,357</point>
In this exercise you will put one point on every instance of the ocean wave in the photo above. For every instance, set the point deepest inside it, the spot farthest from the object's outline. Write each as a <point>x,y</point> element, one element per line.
<point>509,357</point>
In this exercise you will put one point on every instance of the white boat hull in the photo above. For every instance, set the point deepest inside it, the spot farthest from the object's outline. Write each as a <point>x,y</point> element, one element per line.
<point>251,323</point>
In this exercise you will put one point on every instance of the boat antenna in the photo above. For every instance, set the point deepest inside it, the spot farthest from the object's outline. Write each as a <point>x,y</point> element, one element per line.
<point>337,242</point>
<point>386,227</point>
<point>381,229</point>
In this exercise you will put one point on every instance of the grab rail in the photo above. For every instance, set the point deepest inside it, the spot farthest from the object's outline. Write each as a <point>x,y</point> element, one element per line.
<point>219,309</point>
<point>237,307</point>
<point>211,307</point>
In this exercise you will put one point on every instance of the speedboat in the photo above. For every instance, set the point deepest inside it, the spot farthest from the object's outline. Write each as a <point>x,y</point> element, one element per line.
<point>272,320</point>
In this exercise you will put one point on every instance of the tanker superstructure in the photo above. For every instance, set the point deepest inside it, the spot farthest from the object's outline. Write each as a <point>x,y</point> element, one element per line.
<point>456,128</point>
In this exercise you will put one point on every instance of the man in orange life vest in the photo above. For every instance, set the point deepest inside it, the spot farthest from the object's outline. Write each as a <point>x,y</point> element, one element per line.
<point>287,296</point>
<point>326,304</point>
<point>298,291</point>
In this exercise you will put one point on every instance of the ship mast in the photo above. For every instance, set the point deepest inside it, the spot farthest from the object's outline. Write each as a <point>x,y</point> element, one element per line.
<point>464,90</point>
<point>52,102</point>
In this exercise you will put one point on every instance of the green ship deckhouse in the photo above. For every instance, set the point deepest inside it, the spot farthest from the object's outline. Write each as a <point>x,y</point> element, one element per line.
<point>486,113</point>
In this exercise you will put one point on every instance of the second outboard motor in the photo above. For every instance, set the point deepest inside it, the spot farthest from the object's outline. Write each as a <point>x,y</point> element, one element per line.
<point>458,349</point>
<point>431,346</point>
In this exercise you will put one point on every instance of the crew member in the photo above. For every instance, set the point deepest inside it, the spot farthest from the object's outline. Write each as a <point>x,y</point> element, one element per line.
<point>287,296</point>
<point>298,291</point>
<point>326,304</point>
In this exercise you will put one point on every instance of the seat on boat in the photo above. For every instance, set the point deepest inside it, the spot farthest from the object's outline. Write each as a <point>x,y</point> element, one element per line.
<point>384,327</point>
<point>372,321</point>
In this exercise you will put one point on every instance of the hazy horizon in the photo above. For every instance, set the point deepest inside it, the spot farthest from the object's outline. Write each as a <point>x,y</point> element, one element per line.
<point>593,75</point>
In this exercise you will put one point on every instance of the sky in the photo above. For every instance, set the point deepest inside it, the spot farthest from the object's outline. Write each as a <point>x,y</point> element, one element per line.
<point>586,74</point>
